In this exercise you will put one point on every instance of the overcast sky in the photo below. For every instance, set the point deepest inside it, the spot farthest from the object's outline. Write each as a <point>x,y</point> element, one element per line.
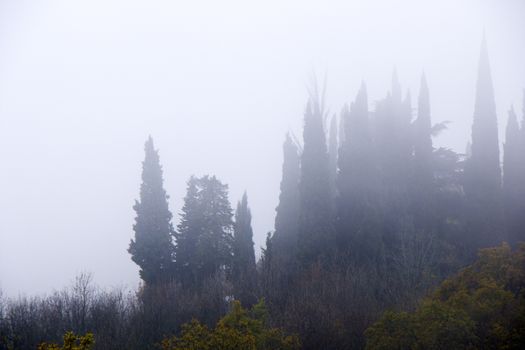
<point>217,84</point>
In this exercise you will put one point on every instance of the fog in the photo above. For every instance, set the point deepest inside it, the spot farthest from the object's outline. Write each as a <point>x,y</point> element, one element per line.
<point>217,84</point>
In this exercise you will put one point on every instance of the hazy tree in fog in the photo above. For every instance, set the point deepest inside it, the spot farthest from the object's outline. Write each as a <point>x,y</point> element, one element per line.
<point>423,176</point>
<point>514,179</point>
<point>244,274</point>
<point>204,234</point>
<point>357,178</point>
<point>152,247</point>
<point>287,211</point>
<point>332,157</point>
<point>392,133</point>
<point>482,172</point>
<point>315,217</point>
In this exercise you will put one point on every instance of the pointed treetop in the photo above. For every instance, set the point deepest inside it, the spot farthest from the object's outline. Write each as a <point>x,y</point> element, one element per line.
<point>484,89</point>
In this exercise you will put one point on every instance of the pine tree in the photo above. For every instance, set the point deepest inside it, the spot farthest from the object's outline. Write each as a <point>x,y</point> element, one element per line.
<point>482,171</point>
<point>243,267</point>
<point>513,180</point>
<point>152,248</point>
<point>204,235</point>
<point>315,218</point>
<point>287,212</point>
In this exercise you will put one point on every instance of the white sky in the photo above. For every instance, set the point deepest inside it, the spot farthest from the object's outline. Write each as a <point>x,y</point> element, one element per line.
<point>217,84</point>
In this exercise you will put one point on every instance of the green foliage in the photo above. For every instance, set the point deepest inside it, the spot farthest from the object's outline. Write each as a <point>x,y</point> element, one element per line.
<point>240,329</point>
<point>483,306</point>
<point>71,342</point>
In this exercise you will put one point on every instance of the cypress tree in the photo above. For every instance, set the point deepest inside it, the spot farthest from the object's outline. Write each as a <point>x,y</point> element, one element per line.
<point>287,211</point>
<point>513,180</point>
<point>152,247</point>
<point>482,171</point>
<point>332,156</point>
<point>315,218</point>
<point>204,235</point>
<point>243,267</point>
<point>423,174</point>
<point>423,177</point>
<point>357,180</point>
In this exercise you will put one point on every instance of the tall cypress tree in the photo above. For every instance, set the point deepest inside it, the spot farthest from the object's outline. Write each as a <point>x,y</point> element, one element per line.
<point>482,171</point>
<point>287,211</point>
<point>513,180</point>
<point>332,157</point>
<point>422,185</point>
<point>152,248</point>
<point>423,139</point>
<point>357,180</point>
<point>204,235</point>
<point>315,218</point>
<point>243,267</point>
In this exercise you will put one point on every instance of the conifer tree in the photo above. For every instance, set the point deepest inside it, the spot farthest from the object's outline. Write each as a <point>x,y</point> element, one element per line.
<point>287,212</point>
<point>513,180</point>
<point>243,267</point>
<point>332,157</point>
<point>423,139</point>
<point>357,179</point>
<point>422,195</point>
<point>152,247</point>
<point>315,218</point>
<point>482,171</point>
<point>204,235</point>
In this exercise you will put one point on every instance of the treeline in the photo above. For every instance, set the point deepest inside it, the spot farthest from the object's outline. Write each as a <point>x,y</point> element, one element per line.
<point>371,216</point>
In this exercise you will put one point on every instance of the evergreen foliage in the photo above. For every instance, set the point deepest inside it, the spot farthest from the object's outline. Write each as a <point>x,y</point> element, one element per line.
<point>315,215</point>
<point>152,248</point>
<point>514,180</point>
<point>483,173</point>
<point>204,235</point>
<point>287,212</point>
<point>244,273</point>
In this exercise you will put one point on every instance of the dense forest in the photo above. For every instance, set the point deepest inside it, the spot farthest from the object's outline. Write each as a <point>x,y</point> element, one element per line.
<point>381,241</point>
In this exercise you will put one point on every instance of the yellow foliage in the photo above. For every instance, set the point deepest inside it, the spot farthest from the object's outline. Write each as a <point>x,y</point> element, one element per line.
<point>240,329</point>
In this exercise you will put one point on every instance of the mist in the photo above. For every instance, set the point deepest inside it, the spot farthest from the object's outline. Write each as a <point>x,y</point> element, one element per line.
<point>217,85</point>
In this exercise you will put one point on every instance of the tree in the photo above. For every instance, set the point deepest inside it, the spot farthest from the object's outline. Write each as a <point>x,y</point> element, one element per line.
<point>514,180</point>
<point>315,217</point>
<point>152,248</point>
<point>332,158</point>
<point>244,273</point>
<point>204,235</point>
<point>240,329</point>
<point>357,178</point>
<point>482,172</point>
<point>287,211</point>
<point>423,184</point>
<point>423,173</point>
<point>482,306</point>
<point>71,342</point>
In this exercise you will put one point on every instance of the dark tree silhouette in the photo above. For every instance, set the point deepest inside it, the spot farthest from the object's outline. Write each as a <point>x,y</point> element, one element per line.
<point>315,218</point>
<point>152,248</point>
<point>244,274</point>
<point>483,172</point>
<point>204,235</point>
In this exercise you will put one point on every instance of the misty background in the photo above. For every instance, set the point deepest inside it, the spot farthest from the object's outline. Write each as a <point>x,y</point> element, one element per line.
<point>217,85</point>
